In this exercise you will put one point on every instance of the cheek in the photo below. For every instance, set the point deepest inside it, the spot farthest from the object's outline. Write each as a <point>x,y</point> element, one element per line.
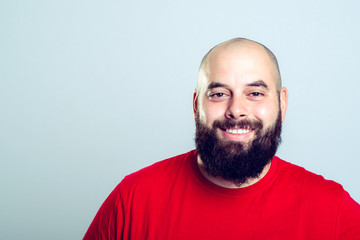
<point>209,112</point>
<point>262,112</point>
<point>267,112</point>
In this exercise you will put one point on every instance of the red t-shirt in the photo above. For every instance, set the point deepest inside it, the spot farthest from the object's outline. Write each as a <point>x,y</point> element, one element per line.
<point>172,200</point>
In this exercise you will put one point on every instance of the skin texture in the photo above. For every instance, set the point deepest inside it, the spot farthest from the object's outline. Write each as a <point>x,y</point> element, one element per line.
<point>239,81</point>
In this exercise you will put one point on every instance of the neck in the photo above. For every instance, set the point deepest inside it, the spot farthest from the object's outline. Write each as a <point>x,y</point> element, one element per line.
<point>229,184</point>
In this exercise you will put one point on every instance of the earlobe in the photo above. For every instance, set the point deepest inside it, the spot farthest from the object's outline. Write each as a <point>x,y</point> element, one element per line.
<point>283,102</point>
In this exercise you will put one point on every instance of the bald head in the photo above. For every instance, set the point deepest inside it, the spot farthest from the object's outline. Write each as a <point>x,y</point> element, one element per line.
<point>240,46</point>
<point>240,61</point>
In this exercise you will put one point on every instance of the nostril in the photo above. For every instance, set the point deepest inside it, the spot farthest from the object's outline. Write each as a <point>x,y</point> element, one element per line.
<point>231,115</point>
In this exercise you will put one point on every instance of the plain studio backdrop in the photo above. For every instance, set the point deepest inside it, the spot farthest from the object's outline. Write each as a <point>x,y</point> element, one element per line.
<point>91,91</point>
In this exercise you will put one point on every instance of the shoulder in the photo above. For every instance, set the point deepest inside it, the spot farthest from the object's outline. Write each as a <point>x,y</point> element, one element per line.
<point>309,183</point>
<point>164,170</point>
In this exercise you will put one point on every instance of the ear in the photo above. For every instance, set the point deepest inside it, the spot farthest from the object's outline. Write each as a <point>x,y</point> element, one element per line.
<point>195,101</point>
<point>283,102</point>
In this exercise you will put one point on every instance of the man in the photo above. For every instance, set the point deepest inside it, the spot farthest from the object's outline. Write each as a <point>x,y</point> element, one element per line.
<point>232,186</point>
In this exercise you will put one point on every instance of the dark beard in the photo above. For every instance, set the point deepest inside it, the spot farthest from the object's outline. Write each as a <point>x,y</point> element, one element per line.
<point>233,161</point>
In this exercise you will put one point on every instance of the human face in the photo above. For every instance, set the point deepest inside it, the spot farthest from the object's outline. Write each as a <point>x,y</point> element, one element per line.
<point>240,85</point>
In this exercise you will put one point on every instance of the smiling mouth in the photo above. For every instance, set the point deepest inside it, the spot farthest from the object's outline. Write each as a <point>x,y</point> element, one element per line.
<point>238,131</point>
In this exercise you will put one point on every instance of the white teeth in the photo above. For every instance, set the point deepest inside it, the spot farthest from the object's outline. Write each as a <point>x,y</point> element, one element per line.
<point>238,131</point>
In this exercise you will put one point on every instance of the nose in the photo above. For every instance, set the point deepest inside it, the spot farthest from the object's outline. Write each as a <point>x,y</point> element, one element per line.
<point>237,109</point>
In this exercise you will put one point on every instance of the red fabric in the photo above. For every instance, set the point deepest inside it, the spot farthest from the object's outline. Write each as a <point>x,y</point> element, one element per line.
<point>172,200</point>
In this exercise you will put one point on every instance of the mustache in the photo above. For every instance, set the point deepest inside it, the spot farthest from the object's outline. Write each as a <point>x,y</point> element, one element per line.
<point>231,123</point>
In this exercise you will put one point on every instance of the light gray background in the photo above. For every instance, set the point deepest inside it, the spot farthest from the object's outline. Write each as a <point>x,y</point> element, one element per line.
<point>93,90</point>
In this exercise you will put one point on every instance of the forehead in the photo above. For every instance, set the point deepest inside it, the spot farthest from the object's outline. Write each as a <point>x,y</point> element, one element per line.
<point>237,66</point>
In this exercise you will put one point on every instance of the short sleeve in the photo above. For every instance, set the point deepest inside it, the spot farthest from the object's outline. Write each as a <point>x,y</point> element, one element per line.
<point>108,221</point>
<point>348,223</point>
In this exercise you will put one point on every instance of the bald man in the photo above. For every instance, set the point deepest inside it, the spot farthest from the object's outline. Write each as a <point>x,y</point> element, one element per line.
<point>232,186</point>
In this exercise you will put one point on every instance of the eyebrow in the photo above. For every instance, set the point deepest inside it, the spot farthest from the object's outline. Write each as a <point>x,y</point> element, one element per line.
<point>216,85</point>
<point>258,83</point>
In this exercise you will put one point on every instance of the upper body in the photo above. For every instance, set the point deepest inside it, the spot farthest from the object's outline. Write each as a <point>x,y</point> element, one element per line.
<point>173,200</point>
<point>232,187</point>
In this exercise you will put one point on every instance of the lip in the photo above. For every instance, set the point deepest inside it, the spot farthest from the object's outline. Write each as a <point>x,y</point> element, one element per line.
<point>237,137</point>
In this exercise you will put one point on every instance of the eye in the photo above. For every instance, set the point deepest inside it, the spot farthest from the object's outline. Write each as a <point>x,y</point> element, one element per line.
<point>217,96</point>
<point>256,94</point>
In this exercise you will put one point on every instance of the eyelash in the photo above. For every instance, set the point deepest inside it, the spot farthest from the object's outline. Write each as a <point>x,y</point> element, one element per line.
<point>221,96</point>
<point>256,94</point>
<point>216,94</point>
